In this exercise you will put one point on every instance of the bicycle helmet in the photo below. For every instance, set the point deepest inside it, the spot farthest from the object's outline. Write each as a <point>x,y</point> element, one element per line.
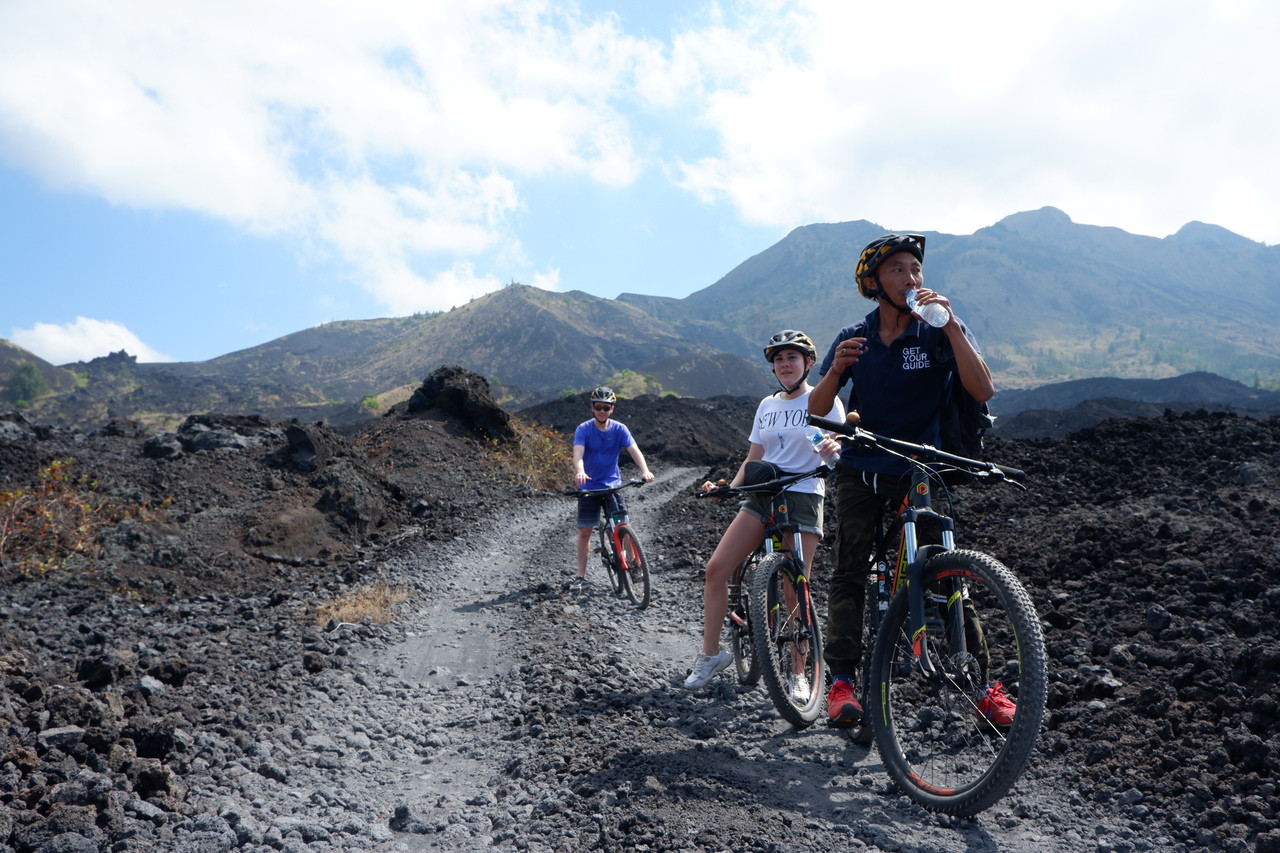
<point>876,252</point>
<point>604,394</point>
<point>790,339</point>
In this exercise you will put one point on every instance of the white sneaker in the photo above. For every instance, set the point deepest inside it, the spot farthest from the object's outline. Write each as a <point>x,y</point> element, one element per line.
<point>798,689</point>
<point>706,667</point>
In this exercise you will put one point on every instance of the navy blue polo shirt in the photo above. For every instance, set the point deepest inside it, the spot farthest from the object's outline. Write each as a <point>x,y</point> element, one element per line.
<point>897,388</point>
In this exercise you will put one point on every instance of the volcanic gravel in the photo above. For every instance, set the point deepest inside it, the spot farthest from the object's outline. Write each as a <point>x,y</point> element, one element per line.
<point>174,691</point>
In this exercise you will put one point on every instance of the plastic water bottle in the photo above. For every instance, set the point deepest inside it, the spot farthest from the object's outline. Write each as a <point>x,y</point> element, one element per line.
<point>932,313</point>
<point>815,438</point>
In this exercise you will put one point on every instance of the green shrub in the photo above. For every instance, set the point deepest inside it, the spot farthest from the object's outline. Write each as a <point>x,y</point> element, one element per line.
<point>26,384</point>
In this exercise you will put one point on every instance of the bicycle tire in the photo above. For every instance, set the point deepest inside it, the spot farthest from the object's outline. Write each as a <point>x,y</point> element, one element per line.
<point>871,617</point>
<point>745,661</point>
<point>633,568</point>
<point>610,560</point>
<point>779,631</point>
<point>935,747</point>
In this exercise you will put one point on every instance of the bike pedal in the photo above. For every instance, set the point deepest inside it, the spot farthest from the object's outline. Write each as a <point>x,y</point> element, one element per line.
<point>862,735</point>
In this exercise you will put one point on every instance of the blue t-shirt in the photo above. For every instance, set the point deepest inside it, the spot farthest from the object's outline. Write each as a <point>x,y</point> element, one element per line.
<point>600,449</point>
<point>898,388</point>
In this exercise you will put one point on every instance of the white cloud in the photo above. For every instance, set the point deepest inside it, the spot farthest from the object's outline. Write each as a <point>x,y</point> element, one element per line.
<point>383,130</point>
<point>82,340</point>
<point>399,136</point>
<point>1132,113</point>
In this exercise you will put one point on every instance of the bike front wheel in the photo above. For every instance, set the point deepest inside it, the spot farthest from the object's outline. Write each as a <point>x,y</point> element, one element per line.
<point>633,568</point>
<point>610,560</point>
<point>788,640</point>
<point>982,630</point>
<point>739,625</point>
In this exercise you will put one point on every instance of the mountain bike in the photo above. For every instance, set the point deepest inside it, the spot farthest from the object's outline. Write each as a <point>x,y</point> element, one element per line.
<point>941,625</point>
<point>619,548</point>
<point>773,627</point>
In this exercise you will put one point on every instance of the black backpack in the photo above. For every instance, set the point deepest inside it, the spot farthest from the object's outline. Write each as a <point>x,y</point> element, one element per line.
<point>964,420</point>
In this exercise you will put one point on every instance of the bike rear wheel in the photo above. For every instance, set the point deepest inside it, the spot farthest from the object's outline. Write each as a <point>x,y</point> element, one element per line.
<point>871,618</point>
<point>632,567</point>
<point>788,640</point>
<point>933,741</point>
<point>610,560</point>
<point>739,625</point>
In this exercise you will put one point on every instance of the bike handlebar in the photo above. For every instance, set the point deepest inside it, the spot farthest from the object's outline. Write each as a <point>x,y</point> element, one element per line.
<point>774,486</point>
<point>575,493</point>
<point>866,438</point>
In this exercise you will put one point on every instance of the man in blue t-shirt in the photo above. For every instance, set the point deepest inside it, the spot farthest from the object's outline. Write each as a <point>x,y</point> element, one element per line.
<point>898,367</point>
<point>596,445</point>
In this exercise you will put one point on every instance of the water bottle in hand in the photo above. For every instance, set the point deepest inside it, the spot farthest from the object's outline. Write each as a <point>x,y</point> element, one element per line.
<point>815,438</point>
<point>932,313</point>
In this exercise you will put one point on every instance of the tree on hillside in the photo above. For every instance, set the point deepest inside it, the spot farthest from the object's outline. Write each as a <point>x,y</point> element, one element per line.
<point>629,384</point>
<point>25,385</point>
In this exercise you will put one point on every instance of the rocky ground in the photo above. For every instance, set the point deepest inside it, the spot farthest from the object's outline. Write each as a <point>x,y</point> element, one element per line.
<point>175,690</point>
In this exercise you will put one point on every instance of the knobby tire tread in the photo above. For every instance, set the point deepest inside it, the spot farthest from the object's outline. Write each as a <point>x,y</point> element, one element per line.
<point>996,765</point>
<point>609,560</point>
<point>745,661</point>
<point>775,667</point>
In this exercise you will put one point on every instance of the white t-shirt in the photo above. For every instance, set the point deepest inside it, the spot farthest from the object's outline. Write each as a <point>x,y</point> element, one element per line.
<point>780,428</point>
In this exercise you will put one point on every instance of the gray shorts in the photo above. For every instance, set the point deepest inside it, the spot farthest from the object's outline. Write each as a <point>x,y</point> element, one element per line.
<point>803,508</point>
<point>590,507</point>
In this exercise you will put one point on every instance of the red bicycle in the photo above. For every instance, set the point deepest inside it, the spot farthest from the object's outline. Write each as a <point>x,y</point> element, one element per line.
<point>619,548</point>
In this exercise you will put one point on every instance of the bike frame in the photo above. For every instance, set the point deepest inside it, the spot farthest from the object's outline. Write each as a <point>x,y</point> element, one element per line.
<point>909,569</point>
<point>779,522</point>
<point>613,520</point>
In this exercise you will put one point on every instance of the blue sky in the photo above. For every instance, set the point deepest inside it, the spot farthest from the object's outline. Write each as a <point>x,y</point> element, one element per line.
<point>186,179</point>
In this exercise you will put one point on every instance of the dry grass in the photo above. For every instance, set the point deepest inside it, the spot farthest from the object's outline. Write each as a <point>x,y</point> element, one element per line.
<point>44,525</point>
<point>540,457</point>
<point>376,602</point>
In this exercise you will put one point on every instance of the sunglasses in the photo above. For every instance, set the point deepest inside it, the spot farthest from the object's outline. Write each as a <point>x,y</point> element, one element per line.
<point>601,407</point>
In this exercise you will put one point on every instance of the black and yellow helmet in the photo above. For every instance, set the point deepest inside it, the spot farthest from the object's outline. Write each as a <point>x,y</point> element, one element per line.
<point>790,339</point>
<point>879,249</point>
<point>604,394</point>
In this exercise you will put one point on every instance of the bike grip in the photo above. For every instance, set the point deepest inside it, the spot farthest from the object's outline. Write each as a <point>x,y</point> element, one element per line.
<point>1009,473</point>
<point>829,425</point>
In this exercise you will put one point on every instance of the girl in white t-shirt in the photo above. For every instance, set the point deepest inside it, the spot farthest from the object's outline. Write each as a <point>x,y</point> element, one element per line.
<point>779,435</point>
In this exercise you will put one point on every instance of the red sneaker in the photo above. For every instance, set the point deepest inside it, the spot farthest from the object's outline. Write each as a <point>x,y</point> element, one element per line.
<point>843,709</point>
<point>995,706</point>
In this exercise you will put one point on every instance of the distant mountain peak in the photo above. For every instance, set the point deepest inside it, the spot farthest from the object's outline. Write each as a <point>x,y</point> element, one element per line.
<point>1036,222</point>
<point>1210,235</point>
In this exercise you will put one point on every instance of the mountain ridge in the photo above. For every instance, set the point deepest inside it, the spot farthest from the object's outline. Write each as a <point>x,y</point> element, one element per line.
<point>1049,300</point>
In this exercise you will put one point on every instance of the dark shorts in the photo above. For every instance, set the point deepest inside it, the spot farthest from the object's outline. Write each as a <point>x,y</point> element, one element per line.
<point>804,509</point>
<point>590,507</point>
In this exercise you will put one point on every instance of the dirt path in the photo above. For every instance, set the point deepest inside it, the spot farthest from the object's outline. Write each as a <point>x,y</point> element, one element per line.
<point>560,723</point>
